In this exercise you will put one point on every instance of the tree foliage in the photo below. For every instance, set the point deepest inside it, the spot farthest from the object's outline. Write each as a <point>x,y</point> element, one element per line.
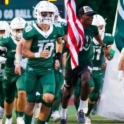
<point>106,8</point>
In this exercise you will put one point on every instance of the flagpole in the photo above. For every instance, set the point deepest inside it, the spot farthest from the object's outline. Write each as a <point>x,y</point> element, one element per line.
<point>115,21</point>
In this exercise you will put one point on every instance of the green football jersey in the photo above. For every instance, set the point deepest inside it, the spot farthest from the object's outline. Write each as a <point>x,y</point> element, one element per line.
<point>10,44</point>
<point>42,41</point>
<point>2,65</point>
<point>63,25</point>
<point>108,39</point>
<point>87,53</point>
<point>30,22</point>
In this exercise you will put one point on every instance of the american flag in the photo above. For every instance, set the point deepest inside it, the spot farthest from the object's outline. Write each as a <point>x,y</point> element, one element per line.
<point>75,36</point>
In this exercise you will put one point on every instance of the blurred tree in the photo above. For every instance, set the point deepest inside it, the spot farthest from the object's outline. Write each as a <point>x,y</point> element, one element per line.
<point>106,8</point>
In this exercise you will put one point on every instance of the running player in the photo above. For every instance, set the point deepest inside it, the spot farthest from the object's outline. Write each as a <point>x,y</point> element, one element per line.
<point>85,67</point>
<point>39,45</point>
<point>11,81</point>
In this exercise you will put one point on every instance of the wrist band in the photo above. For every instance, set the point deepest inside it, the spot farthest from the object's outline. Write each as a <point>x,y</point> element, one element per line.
<point>18,58</point>
<point>58,56</point>
<point>37,55</point>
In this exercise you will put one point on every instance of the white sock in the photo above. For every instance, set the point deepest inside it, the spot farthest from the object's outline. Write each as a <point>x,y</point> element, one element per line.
<point>63,113</point>
<point>81,105</point>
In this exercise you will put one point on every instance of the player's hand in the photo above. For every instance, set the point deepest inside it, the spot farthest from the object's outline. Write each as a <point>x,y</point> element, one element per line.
<point>57,64</point>
<point>62,87</point>
<point>45,54</point>
<point>2,59</point>
<point>106,53</point>
<point>104,66</point>
<point>18,69</point>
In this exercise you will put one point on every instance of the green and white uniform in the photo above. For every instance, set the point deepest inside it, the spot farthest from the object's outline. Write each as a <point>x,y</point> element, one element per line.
<point>98,58</point>
<point>59,72</point>
<point>96,78</point>
<point>41,70</point>
<point>2,96</point>
<point>11,81</point>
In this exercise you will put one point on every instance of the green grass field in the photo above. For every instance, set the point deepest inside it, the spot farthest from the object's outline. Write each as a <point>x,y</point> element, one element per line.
<point>72,118</point>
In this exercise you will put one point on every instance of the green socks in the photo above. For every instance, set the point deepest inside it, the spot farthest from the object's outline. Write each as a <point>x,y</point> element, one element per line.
<point>76,104</point>
<point>28,118</point>
<point>90,107</point>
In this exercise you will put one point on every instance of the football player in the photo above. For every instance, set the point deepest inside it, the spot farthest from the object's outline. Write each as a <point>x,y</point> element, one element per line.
<point>4,30</point>
<point>97,76</point>
<point>12,81</point>
<point>39,45</point>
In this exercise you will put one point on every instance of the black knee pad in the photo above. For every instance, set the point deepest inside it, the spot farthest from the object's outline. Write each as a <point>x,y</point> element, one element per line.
<point>94,96</point>
<point>48,104</point>
<point>9,101</point>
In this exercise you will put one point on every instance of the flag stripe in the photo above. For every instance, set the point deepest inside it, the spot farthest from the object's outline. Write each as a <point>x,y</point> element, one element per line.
<point>72,37</point>
<point>75,35</point>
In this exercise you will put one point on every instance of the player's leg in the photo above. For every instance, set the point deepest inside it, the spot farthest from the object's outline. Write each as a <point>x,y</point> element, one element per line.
<point>15,105</point>
<point>30,87</point>
<point>1,101</point>
<point>94,95</point>
<point>94,110</point>
<point>55,109</point>
<point>47,82</point>
<point>84,95</point>
<point>71,80</point>
<point>85,82</point>
<point>91,88</point>
<point>58,84</point>
<point>37,107</point>
<point>9,83</point>
<point>21,99</point>
<point>77,90</point>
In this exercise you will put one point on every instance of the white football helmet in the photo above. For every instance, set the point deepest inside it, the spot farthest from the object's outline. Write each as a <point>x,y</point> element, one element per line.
<point>44,6</point>
<point>4,26</point>
<point>62,20</point>
<point>56,14</point>
<point>17,23</point>
<point>35,10</point>
<point>98,20</point>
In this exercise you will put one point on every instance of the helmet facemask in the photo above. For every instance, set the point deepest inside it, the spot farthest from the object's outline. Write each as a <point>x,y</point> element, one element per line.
<point>17,34</point>
<point>101,29</point>
<point>45,18</point>
<point>17,25</point>
<point>99,21</point>
<point>44,12</point>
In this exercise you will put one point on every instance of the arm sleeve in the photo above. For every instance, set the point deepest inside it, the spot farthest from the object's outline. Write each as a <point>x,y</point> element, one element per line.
<point>60,31</point>
<point>28,32</point>
<point>109,39</point>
